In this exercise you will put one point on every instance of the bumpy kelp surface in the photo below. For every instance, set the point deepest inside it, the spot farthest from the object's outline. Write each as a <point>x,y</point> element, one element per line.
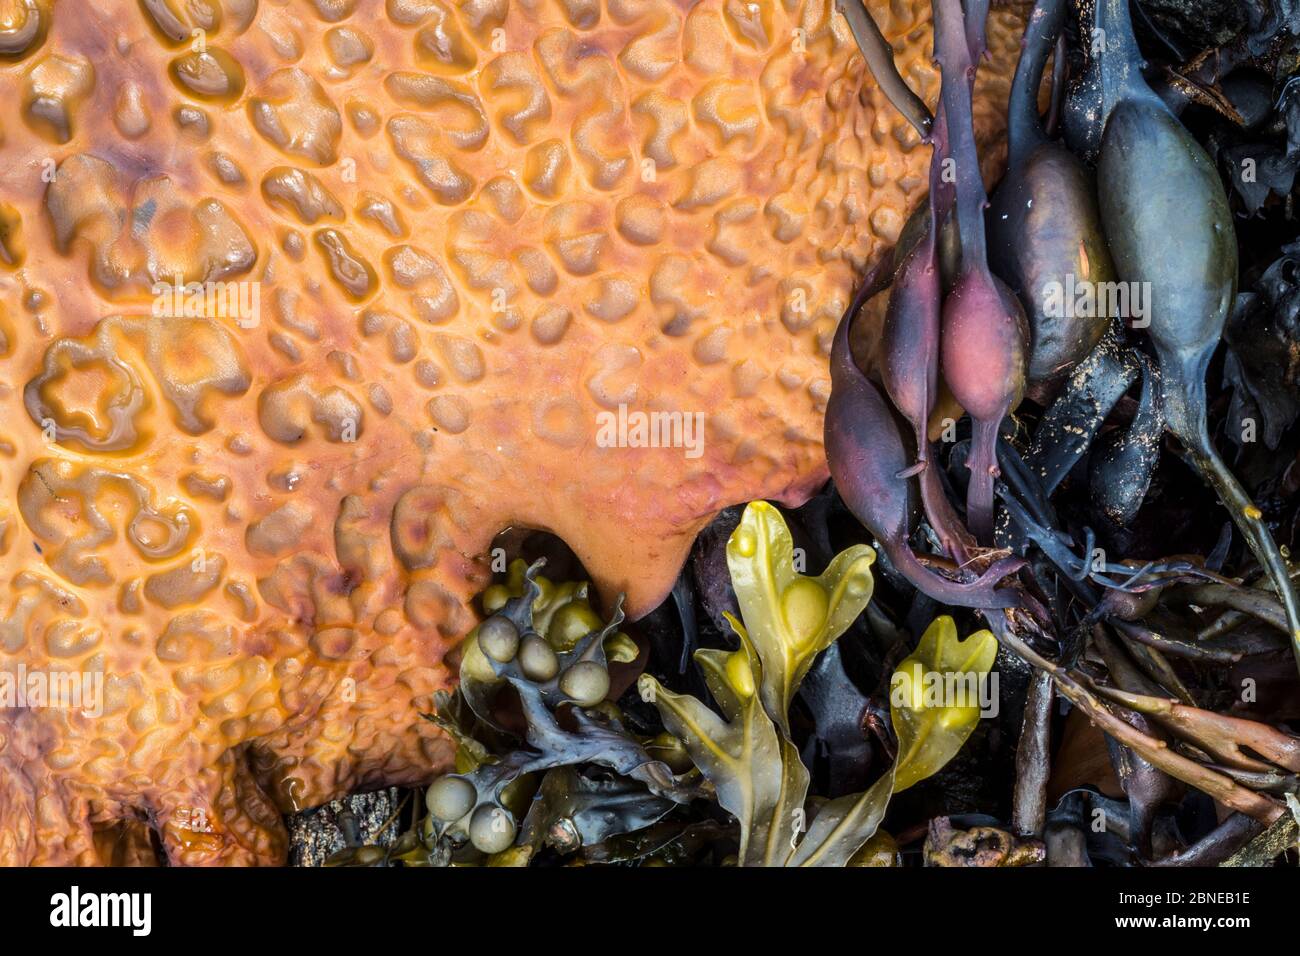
<point>302,302</point>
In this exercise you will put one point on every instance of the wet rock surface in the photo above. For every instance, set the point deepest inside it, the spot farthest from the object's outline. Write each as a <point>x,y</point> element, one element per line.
<point>356,819</point>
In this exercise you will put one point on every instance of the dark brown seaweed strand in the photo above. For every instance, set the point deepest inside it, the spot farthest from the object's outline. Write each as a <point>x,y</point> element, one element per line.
<point>982,593</point>
<point>1257,604</point>
<point>953,536</point>
<point>1024,126</point>
<point>1229,620</point>
<point>953,48</point>
<point>941,193</point>
<point>1122,667</point>
<point>1155,752</point>
<point>1235,743</point>
<point>1059,64</point>
<point>956,540</point>
<point>1155,665</point>
<point>879,56</point>
<point>1121,60</point>
<point>958,77</point>
<point>1218,845</point>
<point>1142,634</point>
<point>912,347</point>
<point>977,15</point>
<point>939,200</point>
<point>1033,759</point>
<point>1249,520</point>
<point>981,461</point>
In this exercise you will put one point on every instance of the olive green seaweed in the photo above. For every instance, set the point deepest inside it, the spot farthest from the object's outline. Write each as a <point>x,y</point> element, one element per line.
<point>747,754</point>
<point>791,618</point>
<point>754,768</point>
<point>928,737</point>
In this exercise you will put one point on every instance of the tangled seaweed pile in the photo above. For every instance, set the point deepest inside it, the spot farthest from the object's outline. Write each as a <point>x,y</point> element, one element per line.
<point>583,780</point>
<point>1068,518</point>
